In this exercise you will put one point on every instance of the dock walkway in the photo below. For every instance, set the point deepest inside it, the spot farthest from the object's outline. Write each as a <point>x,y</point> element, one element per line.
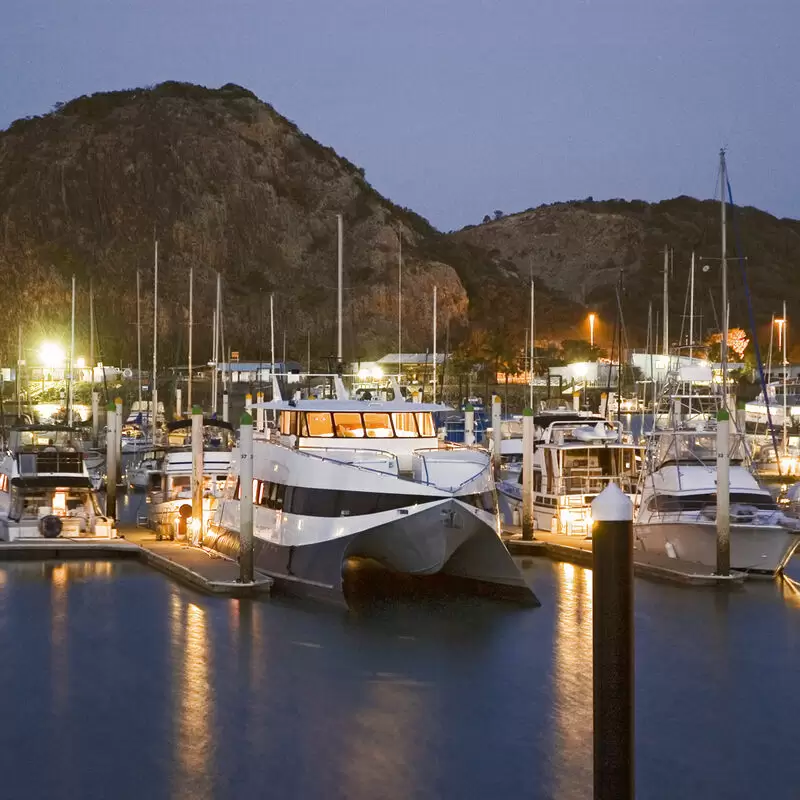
<point>578,550</point>
<point>198,567</point>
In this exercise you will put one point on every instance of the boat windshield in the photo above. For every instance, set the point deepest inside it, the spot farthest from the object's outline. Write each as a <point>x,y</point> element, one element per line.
<point>37,439</point>
<point>589,469</point>
<point>358,425</point>
<point>674,503</point>
<point>681,447</point>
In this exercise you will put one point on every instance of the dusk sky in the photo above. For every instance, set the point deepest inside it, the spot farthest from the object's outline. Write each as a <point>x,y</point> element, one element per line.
<point>456,108</point>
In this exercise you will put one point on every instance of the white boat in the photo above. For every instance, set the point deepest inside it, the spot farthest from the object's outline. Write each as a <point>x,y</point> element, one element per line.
<point>677,506</point>
<point>346,478</point>
<point>769,407</point>
<point>146,473</point>
<point>170,476</point>
<point>45,488</point>
<point>575,456</point>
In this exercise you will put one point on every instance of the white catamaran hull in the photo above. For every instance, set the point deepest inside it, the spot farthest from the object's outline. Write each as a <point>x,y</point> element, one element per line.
<point>759,549</point>
<point>443,537</point>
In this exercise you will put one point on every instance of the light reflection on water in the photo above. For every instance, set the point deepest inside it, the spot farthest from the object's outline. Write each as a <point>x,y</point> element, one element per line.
<point>115,677</point>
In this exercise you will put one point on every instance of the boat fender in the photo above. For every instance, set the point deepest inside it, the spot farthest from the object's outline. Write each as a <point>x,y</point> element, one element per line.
<point>670,549</point>
<point>50,526</point>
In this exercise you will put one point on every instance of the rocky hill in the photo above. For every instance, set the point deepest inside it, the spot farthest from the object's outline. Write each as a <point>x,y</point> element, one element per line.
<point>582,248</point>
<point>226,184</point>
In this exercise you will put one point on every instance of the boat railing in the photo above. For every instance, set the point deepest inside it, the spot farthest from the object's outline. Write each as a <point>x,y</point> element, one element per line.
<point>46,461</point>
<point>480,458</point>
<point>594,484</point>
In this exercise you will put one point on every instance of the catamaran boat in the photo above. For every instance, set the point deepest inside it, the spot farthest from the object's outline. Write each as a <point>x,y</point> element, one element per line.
<point>45,488</point>
<point>344,478</point>
<point>576,455</point>
<point>677,506</point>
<point>170,495</point>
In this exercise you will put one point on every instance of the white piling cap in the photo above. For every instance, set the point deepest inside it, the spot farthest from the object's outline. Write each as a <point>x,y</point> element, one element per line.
<point>612,505</point>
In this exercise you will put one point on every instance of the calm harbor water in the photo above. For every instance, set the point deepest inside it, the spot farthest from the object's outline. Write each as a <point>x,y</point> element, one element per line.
<point>119,683</point>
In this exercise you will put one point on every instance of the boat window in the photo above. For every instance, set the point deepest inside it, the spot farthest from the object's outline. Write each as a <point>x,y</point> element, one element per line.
<point>537,481</point>
<point>669,503</point>
<point>3,483</point>
<point>404,425</point>
<point>425,423</point>
<point>289,422</point>
<point>378,426</point>
<point>317,423</point>
<point>348,424</point>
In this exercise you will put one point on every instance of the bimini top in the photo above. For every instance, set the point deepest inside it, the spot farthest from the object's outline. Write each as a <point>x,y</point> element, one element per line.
<point>351,405</point>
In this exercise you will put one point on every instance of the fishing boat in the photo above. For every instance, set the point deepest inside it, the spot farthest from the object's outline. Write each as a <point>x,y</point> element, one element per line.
<point>677,505</point>
<point>170,474</point>
<point>345,478</point>
<point>576,455</point>
<point>45,488</point>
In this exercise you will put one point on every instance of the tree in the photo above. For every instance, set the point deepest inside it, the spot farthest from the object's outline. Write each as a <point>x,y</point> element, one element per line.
<point>498,214</point>
<point>487,218</point>
<point>579,350</point>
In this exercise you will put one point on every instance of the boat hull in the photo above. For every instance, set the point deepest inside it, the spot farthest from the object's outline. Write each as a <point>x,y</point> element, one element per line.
<point>757,549</point>
<point>445,539</point>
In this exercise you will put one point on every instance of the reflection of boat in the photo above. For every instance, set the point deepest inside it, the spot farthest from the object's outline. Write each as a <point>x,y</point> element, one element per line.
<point>45,489</point>
<point>575,457</point>
<point>345,479</point>
<point>170,479</point>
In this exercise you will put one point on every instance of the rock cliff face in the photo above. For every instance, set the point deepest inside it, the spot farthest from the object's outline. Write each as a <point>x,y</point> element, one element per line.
<point>582,248</point>
<point>226,184</point>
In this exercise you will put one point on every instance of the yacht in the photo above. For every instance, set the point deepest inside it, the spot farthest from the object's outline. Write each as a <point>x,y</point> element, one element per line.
<point>45,488</point>
<point>146,473</point>
<point>576,455</point>
<point>677,505</point>
<point>770,405</point>
<point>170,474</point>
<point>345,478</point>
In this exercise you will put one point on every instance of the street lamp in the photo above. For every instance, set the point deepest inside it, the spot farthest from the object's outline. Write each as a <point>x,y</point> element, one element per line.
<point>591,329</point>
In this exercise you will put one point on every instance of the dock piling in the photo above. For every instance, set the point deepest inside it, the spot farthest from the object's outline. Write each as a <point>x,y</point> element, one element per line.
<point>111,461</point>
<point>527,475</point>
<point>723,493</point>
<point>612,645</point>
<point>196,536</point>
<point>469,425</point>
<point>497,432</point>
<point>95,417</point>
<point>246,501</point>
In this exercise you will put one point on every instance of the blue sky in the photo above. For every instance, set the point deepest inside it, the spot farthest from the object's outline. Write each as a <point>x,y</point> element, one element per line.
<point>458,108</point>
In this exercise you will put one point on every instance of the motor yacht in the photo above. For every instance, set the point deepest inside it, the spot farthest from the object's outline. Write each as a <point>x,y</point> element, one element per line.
<point>576,455</point>
<point>45,488</point>
<point>345,478</point>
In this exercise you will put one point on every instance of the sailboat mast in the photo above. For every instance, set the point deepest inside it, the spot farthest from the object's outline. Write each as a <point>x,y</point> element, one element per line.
<point>139,338</point>
<point>665,321</point>
<point>217,326</point>
<point>339,271</point>
<point>691,310</point>
<point>154,379</point>
<point>19,371</point>
<point>723,348</point>
<point>272,334</point>
<point>71,360</point>
<point>191,330</point>
<point>785,375</point>
<point>434,343</point>
<point>91,329</point>
<point>399,304</point>
<point>530,345</point>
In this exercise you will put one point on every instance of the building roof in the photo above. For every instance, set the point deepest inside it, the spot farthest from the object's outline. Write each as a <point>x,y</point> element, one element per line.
<point>410,358</point>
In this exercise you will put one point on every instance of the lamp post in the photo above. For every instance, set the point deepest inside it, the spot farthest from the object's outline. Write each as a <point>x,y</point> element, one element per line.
<point>592,318</point>
<point>780,323</point>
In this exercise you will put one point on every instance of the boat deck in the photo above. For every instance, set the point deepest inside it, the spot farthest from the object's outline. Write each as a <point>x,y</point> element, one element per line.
<point>578,550</point>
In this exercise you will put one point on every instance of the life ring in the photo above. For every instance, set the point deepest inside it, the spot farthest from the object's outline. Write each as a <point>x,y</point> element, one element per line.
<point>51,526</point>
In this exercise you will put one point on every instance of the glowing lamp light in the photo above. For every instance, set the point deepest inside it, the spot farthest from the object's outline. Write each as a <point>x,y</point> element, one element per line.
<point>377,373</point>
<point>580,370</point>
<point>52,354</point>
<point>80,362</point>
<point>363,374</point>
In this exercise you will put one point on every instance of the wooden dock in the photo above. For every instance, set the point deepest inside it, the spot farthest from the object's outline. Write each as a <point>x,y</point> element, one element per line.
<point>197,567</point>
<point>578,550</point>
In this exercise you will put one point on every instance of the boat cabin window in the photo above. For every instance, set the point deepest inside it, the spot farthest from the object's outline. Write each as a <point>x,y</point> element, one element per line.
<point>672,504</point>
<point>289,423</point>
<point>354,424</point>
<point>348,425</point>
<point>61,502</point>
<point>378,426</point>
<point>425,424</point>
<point>3,483</point>
<point>405,426</point>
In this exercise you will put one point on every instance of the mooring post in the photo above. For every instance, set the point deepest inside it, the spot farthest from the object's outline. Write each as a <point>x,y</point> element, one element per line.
<point>261,414</point>
<point>527,475</point>
<point>469,425</point>
<point>111,461</point>
<point>197,476</point>
<point>178,402</point>
<point>246,500</point>
<point>497,431</point>
<point>95,417</point>
<point>612,644</point>
<point>118,435</point>
<point>723,493</point>
<point>225,406</point>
